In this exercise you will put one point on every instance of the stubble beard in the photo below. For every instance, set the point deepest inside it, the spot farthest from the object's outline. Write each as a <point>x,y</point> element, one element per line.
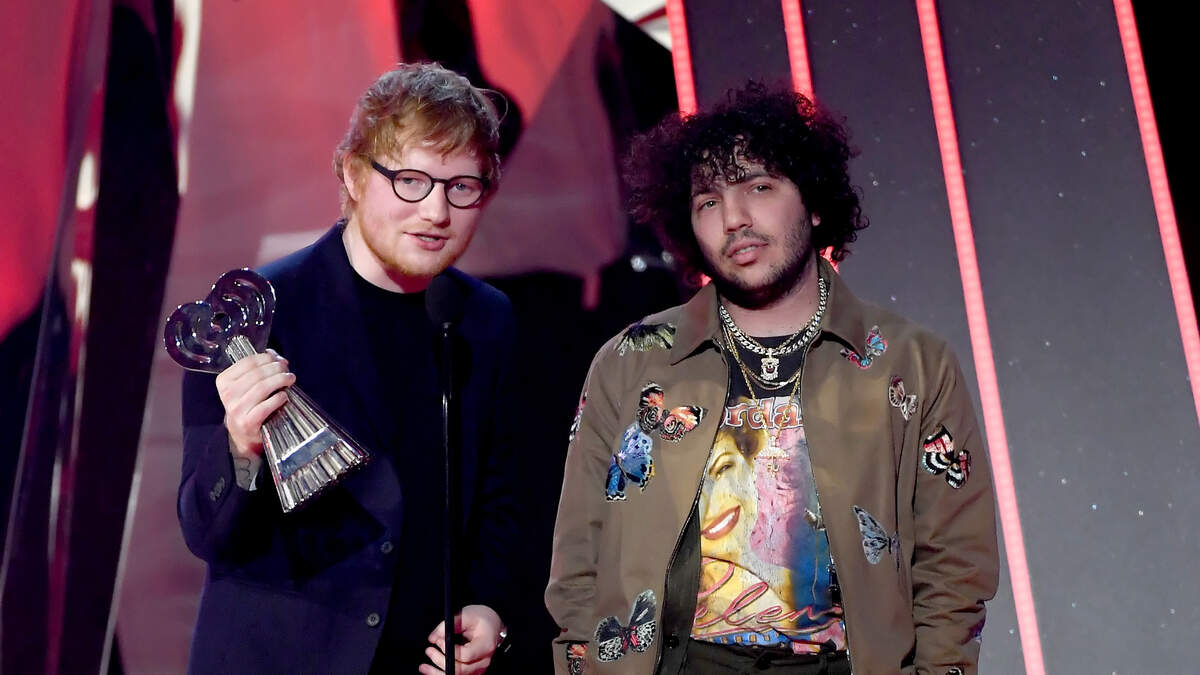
<point>781,280</point>
<point>393,263</point>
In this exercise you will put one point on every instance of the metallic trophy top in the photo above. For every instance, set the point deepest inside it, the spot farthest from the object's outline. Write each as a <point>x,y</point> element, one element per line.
<point>242,302</point>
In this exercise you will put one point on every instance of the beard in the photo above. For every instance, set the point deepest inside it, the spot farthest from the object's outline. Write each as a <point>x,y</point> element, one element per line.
<point>398,258</point>
<point>781,279</point>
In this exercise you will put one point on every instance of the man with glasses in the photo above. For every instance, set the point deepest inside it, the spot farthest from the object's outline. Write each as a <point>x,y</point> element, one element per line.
<point>352,582</point>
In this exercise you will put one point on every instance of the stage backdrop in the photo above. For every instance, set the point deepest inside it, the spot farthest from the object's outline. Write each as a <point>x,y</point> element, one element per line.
<point>1100,419</point>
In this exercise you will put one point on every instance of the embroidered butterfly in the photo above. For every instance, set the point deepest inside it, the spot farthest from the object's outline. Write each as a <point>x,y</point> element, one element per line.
<point>576,654</point>
<point>578,417</point>
<point>875,539</point>
<point>642,337</point>
<point>876,346</point>
<point>614,640</point>
<point>977,631</point>
<point>632,462</point>
<point>940,456</point>
<point>896,396</point>
<point>673,424</point>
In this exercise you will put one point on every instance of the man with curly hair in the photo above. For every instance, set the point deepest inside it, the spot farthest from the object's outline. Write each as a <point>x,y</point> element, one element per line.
<point>776,474</point>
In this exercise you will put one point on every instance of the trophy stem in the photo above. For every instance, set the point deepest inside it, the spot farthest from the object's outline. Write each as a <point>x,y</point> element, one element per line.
<point>305,451</point>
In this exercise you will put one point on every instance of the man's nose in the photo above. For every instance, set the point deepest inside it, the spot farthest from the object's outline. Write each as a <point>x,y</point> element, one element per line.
<point>435,208</point>
<point>735,214</point>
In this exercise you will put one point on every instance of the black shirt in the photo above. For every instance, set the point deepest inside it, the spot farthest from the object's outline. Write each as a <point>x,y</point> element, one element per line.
<point>402,342</point>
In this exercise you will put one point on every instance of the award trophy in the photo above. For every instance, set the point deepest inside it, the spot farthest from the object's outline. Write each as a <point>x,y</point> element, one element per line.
<point>305,450</point>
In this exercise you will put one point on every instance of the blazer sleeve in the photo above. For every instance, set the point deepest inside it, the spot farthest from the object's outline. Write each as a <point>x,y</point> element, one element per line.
<point>570,592</point>
<point>217,517</point>
<point>955,558</point>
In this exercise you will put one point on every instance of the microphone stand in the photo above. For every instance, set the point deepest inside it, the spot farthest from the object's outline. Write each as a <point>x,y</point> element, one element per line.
<point>452,453</point>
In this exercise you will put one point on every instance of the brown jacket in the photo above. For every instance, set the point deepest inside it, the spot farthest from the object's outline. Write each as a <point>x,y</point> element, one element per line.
<point>624,574</point>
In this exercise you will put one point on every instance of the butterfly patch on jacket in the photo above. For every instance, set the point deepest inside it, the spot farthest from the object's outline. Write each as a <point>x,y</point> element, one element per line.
<point>633,463</point>
<point>941,457</point>
<point>977,630</point>
<point>875,539</point>
<point>614,640</point>
<point>576,656</point>
<point>642,337</point>
<point>578,416</point>
<point>898,398</point>
<point>876,346</point>
<point>671,424</point>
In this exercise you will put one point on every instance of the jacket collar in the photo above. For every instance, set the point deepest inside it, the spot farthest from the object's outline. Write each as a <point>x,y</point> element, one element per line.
<point>698,323</point>
<point>330,282</point>
<point>844,317</point>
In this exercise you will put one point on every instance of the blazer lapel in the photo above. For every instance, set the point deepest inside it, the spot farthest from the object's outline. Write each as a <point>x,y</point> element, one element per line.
<point>358,408</point>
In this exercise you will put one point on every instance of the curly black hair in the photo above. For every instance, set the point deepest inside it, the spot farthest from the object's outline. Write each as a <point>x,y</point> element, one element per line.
<point>784,131</point>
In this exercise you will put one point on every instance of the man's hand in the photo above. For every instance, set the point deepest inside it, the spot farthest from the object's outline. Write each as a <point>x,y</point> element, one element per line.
<point>481,626</point>
<point>251,390</point>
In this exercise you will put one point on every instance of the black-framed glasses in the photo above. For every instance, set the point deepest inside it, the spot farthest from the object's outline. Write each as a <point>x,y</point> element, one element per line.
<point>413,185</point>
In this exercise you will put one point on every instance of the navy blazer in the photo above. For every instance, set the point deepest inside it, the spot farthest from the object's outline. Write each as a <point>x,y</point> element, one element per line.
<point>307,592</point>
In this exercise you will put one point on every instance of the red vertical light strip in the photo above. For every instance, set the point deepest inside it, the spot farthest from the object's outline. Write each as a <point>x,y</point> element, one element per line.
<point>981,343</point>
<point>681,58</point>
<point>797,46</point>
<point>1160,190</point>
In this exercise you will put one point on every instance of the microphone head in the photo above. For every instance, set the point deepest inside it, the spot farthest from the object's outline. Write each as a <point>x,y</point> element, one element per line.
<point>445,300</point>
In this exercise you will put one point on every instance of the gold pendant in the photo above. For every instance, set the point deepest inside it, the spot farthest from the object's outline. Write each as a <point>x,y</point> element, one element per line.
<point>773,454</point>
<point>770,368</point>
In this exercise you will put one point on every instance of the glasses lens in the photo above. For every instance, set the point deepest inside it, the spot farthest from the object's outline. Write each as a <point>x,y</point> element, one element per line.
<point>412,185</point>
<point>464,191</point>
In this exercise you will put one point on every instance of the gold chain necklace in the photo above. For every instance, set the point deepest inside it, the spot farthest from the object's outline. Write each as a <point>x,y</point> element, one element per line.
<point>770,386</point>
<point>798,340</point>
<point>774,453</point>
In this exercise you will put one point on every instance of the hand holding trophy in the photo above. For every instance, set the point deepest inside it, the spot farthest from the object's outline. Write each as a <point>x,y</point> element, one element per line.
<point>305,450</point>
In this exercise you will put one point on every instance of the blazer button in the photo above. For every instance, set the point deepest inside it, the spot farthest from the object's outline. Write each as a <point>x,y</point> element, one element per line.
<point>672,641</point>
<point>373,619</point>
<point>386,547</point>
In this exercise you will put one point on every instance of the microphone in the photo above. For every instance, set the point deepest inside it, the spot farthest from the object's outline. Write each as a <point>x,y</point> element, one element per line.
<point>446,303</point>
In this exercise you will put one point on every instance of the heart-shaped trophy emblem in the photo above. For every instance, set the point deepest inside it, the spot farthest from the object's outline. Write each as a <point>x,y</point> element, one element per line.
<point>305,450</point>
<point>198,334</point>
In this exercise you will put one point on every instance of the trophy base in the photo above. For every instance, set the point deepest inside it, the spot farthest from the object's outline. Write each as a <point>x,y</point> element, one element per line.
<point>307,452</point>
<point>313,466</point>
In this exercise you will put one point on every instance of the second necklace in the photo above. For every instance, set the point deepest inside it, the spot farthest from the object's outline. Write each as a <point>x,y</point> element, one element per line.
<point>769,368</point>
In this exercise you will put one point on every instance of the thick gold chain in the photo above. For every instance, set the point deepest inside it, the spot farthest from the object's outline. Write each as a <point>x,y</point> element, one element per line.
<point>747,375</point>
<point>805,333</point>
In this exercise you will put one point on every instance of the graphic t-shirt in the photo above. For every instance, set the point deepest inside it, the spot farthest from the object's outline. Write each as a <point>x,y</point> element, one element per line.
<point>765,567</point>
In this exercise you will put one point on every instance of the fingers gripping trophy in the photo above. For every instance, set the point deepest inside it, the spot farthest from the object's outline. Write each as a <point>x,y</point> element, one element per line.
<point>305,450</point>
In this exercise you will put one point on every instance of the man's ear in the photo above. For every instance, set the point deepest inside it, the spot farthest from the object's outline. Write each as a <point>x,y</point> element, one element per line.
<point>352,175</point>
<point>815,218</point>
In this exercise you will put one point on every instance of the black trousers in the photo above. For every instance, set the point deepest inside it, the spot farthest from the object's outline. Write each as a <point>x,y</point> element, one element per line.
<point>706,658</point>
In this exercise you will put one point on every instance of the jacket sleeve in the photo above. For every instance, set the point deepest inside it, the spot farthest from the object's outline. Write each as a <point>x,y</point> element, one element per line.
<point>570,593</point>
<point>955,558</point>
<point>217,516</point>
